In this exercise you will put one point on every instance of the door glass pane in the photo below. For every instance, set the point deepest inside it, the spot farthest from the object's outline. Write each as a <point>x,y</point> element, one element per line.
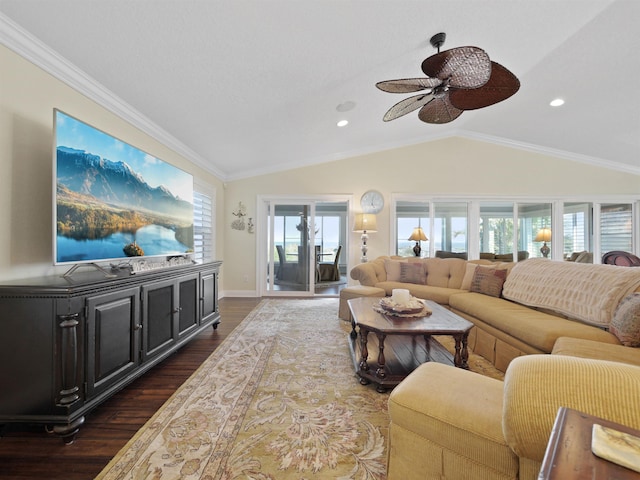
<point>496,228</point>
<point>409,216</point>
<point>577,229</point>
<point>450,227</point>
<point>330,242</point>
<point>534,227</point>
<point>616,231</point>
<point>290,249</point>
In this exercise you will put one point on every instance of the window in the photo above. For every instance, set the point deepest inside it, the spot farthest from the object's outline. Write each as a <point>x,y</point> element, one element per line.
<point>528,227</point>
<point>615,227</point>
<point>450,227</point>
<point>203,232</point>
<point>411,215</point>
<point>577,227</point>
<point>496,228</point>
<point>532,218</point>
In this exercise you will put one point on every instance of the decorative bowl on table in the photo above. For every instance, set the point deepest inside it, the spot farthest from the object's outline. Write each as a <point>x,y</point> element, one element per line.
<point>413,307</point>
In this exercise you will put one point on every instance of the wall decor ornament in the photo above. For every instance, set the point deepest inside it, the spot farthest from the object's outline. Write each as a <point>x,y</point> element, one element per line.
<point>241,212</point>
<point>249,226</point>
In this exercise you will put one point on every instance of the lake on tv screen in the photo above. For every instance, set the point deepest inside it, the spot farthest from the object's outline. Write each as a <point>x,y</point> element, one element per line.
<point>153,239</point>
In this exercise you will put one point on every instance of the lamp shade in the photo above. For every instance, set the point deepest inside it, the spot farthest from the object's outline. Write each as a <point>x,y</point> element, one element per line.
<point>365,222</point>
<point>418,235</point>
<point>544,235</point>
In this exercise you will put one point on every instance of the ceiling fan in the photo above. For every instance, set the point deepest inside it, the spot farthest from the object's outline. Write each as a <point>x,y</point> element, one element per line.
<point>458,79</point>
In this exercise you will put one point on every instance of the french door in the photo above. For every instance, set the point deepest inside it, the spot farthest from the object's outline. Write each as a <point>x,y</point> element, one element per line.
<point>291,242</point>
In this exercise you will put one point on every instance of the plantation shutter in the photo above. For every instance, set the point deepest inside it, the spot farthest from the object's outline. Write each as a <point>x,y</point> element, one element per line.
<point>202,227</point>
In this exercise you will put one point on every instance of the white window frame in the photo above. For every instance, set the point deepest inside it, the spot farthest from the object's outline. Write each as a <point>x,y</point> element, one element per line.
<point>208,250</point>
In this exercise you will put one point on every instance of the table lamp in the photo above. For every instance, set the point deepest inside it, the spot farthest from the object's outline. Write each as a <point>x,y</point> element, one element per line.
<point>417,236</point>
<point>365,222</point>
<point>544,235</point>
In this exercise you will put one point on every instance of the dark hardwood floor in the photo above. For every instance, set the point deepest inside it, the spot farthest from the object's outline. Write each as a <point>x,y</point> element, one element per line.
<point>28,452</point>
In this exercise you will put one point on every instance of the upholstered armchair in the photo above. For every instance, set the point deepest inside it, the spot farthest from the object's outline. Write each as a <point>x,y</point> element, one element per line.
<point>455,424</point>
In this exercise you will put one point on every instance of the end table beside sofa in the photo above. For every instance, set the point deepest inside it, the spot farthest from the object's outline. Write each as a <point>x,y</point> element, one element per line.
<point>455,424</point>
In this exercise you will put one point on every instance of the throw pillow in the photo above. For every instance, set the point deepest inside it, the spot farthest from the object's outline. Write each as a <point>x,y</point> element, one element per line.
<point>392,267</point>
<point>412,273</point>
<point>468,276</point>
<point>488,281</point>
<point>626,321</point>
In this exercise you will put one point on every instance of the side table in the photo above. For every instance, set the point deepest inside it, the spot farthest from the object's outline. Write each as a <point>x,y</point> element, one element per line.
<point>569,456</point>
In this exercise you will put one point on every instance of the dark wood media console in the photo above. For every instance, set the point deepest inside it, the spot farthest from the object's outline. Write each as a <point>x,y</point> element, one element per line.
<point>68,343</point>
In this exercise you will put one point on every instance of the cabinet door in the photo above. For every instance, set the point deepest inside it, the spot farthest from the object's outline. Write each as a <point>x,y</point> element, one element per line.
<point>188,302</point>
<point>209,298</point>
<point>113,342</point>
<point>159,307</point>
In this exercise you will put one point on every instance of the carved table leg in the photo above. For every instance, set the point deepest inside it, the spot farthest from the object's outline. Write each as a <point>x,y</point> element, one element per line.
<point>353,333</point>
<point>380,373</point>
<point>364,355</point>
<point>462,353</point>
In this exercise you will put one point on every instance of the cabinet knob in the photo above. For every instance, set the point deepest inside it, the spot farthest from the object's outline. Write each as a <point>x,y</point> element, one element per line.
<point>177,310</point>
<point>138,327</point>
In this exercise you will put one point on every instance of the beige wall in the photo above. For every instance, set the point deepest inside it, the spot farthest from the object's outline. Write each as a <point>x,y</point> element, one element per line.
<point>28,96</point>
<point>454,166</point>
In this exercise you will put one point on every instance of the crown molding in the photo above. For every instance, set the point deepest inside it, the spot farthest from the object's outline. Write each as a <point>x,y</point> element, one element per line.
<point>563,154</point>
<point>35,51</point>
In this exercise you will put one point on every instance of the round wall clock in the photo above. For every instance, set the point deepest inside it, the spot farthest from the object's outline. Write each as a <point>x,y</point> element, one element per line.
<point>372,202</point>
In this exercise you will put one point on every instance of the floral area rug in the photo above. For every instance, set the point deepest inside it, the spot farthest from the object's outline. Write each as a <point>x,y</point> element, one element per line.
<point>278,399</point>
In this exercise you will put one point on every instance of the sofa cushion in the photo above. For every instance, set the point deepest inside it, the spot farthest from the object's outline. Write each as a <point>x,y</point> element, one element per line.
<point>445,272</point>
<point>488,281</point>
<point>412,273</point>
<point>578,347</point>
<point>626,321</point>
<point>392,267</point>
<point>538,329</point>
<point>444,416</point>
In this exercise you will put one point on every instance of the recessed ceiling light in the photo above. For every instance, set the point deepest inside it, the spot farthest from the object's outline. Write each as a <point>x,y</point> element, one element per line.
<point>557,102</point>
<point>343,123</point>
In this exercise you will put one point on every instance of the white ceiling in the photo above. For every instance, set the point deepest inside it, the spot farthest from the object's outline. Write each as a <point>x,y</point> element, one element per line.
<point>247,87</point>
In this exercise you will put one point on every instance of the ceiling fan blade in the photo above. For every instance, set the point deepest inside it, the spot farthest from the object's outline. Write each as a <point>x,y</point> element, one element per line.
<point>408,85</point>
<point>464,67</point>
<point>439,110</point>
<point>407,105</point>
<point>500,86</point>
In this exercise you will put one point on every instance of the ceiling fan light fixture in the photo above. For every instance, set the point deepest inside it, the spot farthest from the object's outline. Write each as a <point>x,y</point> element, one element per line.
<point>556,102</point>
<point>459,79</point>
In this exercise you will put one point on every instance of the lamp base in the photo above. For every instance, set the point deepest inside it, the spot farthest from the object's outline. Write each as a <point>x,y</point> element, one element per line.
<point>544,250</point>
<point>363,247</point>
<point>417,249</point>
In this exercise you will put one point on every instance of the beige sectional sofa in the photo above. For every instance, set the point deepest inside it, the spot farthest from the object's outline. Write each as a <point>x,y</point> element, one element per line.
<point>538,302</point>
<point>449,423</point>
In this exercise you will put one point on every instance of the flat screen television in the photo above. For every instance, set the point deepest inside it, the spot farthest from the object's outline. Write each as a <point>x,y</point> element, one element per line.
<point>113,201</point>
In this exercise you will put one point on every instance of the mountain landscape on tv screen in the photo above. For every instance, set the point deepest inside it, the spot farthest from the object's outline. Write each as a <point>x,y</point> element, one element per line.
<point>97,198</point>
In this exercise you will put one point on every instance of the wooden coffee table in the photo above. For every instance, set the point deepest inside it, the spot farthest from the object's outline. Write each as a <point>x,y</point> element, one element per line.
<point>398,343</point>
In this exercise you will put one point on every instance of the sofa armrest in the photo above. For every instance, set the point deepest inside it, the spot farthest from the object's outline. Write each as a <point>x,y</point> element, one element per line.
<point>365,273</point>
<point>536,386</point>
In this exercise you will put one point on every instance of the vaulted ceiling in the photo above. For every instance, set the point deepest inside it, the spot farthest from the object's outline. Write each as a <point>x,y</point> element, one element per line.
<point>247,87</point>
